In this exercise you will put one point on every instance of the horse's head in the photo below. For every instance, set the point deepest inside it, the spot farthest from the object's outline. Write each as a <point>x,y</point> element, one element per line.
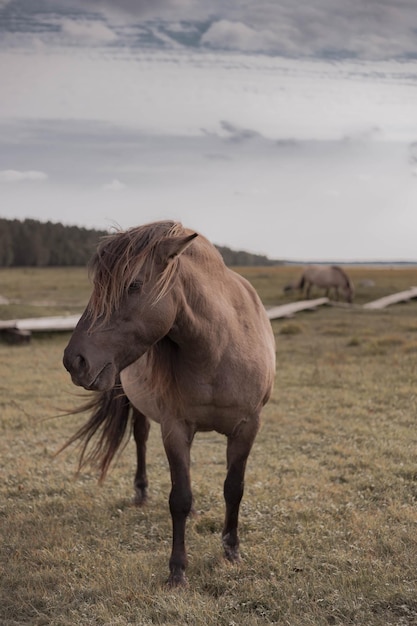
<point>348,292</point>
<point>132,306</point>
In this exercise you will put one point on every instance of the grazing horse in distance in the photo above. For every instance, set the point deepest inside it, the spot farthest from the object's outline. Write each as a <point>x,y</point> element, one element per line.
<point>170,334</point>
<point>326,277</point>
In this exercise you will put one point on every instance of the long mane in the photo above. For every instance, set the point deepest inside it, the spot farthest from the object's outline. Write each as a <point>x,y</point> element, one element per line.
<point>119,259</point>
<point>116,264</point>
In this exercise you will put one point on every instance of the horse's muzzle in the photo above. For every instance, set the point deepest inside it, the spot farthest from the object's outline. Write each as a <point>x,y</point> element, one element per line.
<point>84,375</point>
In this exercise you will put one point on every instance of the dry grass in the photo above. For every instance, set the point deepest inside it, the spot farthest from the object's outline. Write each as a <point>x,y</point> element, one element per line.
<point>328,523</point>
<point>36,292</point>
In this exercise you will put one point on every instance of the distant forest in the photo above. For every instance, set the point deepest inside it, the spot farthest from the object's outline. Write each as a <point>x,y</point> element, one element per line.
<point>30,243</point>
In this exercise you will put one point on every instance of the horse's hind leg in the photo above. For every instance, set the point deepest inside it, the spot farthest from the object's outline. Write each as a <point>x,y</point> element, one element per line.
<point>238,448</point>
<point>141,428</point>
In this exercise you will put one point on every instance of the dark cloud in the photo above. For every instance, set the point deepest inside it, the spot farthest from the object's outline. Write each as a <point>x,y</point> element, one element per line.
<point>237,134</point>
<point>139,9</point>
<point>374,29</point>
<point>362,28</point>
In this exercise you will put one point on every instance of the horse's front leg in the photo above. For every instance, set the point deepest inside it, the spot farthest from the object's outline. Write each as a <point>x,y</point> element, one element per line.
<point>238,449</point>
<point>177,440</point>
<point>141,428</point>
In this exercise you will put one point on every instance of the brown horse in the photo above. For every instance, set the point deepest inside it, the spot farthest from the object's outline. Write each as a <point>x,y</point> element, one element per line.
<point>326,277</point>
<point>172,335</point>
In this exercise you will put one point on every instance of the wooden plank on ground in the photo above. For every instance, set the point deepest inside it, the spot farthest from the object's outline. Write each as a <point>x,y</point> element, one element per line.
<point>401,296</point>
<point>288,310</point>
<point>68,322</point>
<point>42,324</point>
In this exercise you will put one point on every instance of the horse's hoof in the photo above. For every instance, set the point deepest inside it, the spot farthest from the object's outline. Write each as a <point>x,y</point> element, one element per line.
<point>140,498</point>
<point>177,581</point>
<point>231,553</point>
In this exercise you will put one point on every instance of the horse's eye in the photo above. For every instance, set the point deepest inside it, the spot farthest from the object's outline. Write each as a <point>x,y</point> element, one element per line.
<point>135,286</point>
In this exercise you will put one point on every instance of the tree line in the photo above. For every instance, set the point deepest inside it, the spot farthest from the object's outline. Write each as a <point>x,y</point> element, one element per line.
<point>30,243</point>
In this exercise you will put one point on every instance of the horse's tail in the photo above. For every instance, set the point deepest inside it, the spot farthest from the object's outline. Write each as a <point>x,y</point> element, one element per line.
<point>109,422</point>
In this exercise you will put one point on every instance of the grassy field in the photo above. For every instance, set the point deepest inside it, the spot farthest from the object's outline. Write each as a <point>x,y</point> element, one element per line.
<point>329,516</point>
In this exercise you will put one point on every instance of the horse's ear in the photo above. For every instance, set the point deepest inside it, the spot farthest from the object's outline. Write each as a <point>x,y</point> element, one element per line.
<point>171,247</point>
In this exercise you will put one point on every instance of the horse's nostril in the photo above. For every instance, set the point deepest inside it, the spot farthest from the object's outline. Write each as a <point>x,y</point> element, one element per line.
<point>74,364</point>
<point>80,362</point>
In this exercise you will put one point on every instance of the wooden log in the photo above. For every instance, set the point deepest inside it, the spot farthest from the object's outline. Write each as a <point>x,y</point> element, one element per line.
<point>394,298</point>
<point>288,310</point>
<point>16,336</point>
<point>43,324</point>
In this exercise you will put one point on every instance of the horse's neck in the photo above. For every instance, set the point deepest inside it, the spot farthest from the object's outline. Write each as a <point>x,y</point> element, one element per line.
<point>198,323</point>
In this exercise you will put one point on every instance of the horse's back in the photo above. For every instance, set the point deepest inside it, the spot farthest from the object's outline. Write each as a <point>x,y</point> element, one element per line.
<point>322,275</point>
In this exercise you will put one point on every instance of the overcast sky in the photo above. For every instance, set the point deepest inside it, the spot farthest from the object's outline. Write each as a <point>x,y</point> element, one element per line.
<point>273,127</point>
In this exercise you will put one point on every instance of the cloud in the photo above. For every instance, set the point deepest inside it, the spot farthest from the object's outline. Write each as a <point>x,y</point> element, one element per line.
<point>413,153</point>
<point>238,36</point>
<point>368,133</point>
<point>371,29</point>
<point>237,134</point>
<point>143,9</point>
<point>115,185</point>
<point>16,176</point>
<point>87,30</point>
<point>375,29</point>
